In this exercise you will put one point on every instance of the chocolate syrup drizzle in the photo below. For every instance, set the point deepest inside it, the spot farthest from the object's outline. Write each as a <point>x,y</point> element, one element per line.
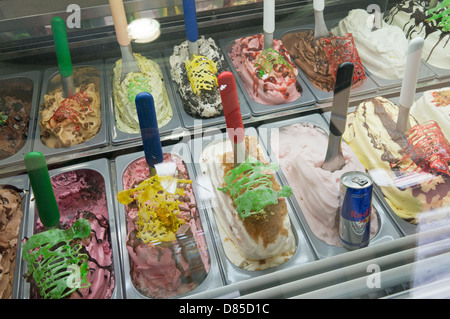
<point>418,14</point>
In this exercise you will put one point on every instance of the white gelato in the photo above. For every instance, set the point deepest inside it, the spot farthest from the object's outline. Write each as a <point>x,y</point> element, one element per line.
<point>434,105</point>
<point>383,50</point>
<point>300,150</point>
<point>413,18</point>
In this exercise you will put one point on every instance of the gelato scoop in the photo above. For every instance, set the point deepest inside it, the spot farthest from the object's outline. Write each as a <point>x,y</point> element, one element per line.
<point>66,122</point>
<point>15,109</point>
<point>300,150</point>
<point>406,167</point>
<point>81,199</point>
<point>382,50</point>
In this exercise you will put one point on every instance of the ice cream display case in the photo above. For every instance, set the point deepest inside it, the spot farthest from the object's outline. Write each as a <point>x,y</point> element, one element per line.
<point>200,149</point>
<point>80,132</point>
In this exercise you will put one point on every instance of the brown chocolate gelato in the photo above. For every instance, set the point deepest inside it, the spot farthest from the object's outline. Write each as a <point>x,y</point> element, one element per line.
<point>15,108</point>
<point>10,219</point>
<point>319,59</point>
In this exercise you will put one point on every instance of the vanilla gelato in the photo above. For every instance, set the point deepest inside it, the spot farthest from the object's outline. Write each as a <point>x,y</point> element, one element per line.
<point>416,19</point>
<point>382,51</point>
<point>434,105</point>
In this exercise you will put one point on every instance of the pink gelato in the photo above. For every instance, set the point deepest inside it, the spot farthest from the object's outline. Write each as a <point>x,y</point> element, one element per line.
<point>300,150</point>
<point>164,268</point>
<point>82,194</point>
<point>269,75</point>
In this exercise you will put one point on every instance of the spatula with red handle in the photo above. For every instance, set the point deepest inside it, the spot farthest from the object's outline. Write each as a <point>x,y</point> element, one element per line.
<point>233,116</point>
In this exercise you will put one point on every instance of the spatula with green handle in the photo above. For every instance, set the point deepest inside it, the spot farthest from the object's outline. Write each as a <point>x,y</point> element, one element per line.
<point>63,56</point>
<point>44,197</point>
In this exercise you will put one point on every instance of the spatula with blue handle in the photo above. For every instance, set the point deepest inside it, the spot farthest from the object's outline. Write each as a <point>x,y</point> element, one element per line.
<point>190,22</point>
<point>155,159</point>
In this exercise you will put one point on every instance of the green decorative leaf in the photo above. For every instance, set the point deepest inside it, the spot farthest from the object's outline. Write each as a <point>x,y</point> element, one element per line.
<point>253,191</point>
<point>55,261</point>
<point>267,60</point>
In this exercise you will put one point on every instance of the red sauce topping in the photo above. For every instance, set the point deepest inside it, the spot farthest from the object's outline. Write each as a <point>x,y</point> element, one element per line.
<point>343,49</point>
<point>65,111</point>
<point>428,148</point>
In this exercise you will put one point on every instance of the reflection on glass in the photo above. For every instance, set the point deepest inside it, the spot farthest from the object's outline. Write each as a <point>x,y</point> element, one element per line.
<point>431,274</point>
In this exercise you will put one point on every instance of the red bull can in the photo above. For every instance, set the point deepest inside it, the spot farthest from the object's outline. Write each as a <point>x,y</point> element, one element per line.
<point>355,209</point>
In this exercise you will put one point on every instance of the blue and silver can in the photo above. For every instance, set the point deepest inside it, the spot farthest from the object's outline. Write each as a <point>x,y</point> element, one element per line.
<point>355,209</point>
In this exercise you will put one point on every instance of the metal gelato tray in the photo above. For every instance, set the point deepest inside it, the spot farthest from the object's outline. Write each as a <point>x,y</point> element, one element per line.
<point>20,183</point>
<point>51,82</point>
<point>189,121</point>
<point>18,81</point>
<point>258,109</point>
<point>425,74</point>
<point>232,273</point>
<point>100,166</point>
<point>119,137</point>
<point>369,86</point>
<point>403,226</point>
<point>440,72</point>
<point>386,232</point>
<point>213,278</point>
